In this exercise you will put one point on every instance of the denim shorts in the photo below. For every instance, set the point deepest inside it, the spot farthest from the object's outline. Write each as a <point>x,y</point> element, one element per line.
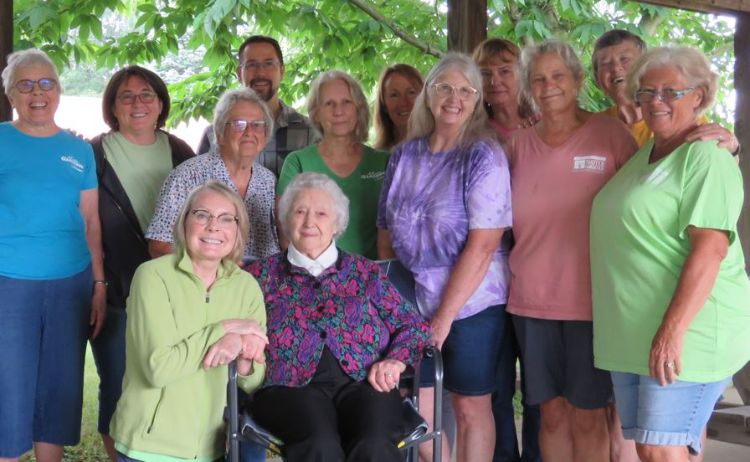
<point>673,415</point>
<point>470,354</point>
<point>45,324</point>
<point>559,362</point>
<point>109,355</point>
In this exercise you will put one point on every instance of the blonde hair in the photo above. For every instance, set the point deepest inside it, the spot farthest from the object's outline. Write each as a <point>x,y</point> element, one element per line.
<point>385,129</point>
<point>358,96</point>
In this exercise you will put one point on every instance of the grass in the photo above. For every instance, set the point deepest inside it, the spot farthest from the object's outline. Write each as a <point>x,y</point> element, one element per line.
<point>90,448</point>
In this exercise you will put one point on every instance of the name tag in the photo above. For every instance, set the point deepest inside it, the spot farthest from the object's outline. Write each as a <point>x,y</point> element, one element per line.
<point>589,163</point>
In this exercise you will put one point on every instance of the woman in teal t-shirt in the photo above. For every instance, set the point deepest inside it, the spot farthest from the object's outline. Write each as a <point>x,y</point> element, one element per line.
<point>671,296</point>
<point>338,110</point>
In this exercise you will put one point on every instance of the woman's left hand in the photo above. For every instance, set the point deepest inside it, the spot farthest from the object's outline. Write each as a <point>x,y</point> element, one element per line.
<point>225,350</point>
<point>664,361</point>
<point>98,309</point>
<point>384,375</point>
<point>724,137</point>
<point>440,329</point>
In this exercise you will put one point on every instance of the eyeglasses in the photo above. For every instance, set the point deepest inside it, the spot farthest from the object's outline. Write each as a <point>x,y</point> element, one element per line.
<point>128,98</point>
<point>267,65</point>
<point>445,90</point>
<point>204,217</point>
<point>240,125</point>
<point>665,94</point>
<point>27,86</point>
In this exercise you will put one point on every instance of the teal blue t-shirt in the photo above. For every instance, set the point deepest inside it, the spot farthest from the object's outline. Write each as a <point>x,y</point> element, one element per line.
<point>41,178</point>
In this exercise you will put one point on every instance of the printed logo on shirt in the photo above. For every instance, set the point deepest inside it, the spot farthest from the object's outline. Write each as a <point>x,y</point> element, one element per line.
<point>377,176</point>
<point>73,162</point>
<point>656,177</point>
<point>590,163</point>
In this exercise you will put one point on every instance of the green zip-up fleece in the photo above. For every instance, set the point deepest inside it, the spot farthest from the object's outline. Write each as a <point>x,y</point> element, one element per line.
<point>170,405</point>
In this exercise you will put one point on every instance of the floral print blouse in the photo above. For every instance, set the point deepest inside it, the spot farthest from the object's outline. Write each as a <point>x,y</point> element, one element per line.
<point>351,308</point>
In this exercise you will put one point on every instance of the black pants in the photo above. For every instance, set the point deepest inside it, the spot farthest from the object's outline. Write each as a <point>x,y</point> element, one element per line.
<point>333,418</point>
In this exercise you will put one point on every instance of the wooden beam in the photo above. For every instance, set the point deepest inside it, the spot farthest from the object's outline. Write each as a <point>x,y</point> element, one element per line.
<point>6,47</point>
<point>467,24</point>
<point>706,6</point>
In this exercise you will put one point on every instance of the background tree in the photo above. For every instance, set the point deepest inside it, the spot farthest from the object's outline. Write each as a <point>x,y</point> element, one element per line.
<point>193,43</point>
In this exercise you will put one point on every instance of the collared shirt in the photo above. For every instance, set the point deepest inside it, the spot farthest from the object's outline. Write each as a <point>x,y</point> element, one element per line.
<point>351,309</point>
<point>313,266</point>
<point>291,131</point>
<point>259,201</point>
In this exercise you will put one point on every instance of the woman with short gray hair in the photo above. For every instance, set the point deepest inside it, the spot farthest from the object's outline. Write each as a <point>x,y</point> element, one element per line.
<point>339,333</point>
<point>242,123</point>
<point>443,211</point>
<point>338,109</point>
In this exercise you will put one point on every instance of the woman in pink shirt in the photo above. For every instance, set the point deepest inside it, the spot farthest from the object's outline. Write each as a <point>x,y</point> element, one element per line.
<point>557,167</point>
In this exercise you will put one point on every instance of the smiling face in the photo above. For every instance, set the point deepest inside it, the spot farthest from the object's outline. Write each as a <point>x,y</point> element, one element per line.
<point>265,75</point>
<point>338,112</point>
<point>399,94</point>
<point>613,64</point>
<point>673,118</point>
<point>138,117</point>
<point>312,222</point>
<point>211,241</point>
<point>36,110</point>
<point>553,85</point>
<point>248,143</point>
<point>500,79</point>
<point>450,111</point>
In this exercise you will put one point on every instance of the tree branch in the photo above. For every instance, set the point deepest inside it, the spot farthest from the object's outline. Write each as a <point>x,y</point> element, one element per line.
<point>403,35</point>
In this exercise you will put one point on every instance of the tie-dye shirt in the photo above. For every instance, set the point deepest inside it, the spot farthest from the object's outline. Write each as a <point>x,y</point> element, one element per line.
<point>429,203</point>
<point>351,308</point>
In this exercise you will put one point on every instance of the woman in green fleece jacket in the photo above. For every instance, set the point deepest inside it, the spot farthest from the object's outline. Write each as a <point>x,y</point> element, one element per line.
<point>189,314</point>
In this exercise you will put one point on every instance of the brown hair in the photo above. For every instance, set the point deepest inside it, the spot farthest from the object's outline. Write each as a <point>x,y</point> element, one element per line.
<point>492,47</point>
<point>122,76</point>
<point>385,130</point>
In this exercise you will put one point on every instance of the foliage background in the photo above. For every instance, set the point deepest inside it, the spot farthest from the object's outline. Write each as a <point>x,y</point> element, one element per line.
<point>192,43</point>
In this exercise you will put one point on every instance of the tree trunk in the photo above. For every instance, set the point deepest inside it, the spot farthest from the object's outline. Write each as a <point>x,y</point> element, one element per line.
<point>467,24</point>
<point>6,47</point>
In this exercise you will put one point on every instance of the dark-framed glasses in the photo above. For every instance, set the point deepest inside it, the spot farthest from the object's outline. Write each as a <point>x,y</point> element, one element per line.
<point>27,86</point>
<point>445,90</point>
<point>267,65</point>
<point>204,217</point>
<point>240,125</point>
<point>646,95</point>
<point>127,98</point>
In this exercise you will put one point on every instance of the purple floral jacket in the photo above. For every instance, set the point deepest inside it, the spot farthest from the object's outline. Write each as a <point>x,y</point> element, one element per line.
<point>351,308</point>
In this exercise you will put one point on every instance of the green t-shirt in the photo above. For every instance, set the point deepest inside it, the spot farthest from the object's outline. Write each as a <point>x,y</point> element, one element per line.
<point>639,243</point>
<point>362,187</point>
<point>140,169</point>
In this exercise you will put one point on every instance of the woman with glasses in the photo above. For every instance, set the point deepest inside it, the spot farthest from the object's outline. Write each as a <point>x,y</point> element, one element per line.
<point>443,210</point>
<point>557,167</point>
<point>189,314</point>
<point>338,110</point>
<point>242,124</point>
<point>133,159</point>
<point>670,291</point>
<point>51,274</point>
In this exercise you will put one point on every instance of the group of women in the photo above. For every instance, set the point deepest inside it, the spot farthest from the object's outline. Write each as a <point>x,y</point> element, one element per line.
<point>623,268</point>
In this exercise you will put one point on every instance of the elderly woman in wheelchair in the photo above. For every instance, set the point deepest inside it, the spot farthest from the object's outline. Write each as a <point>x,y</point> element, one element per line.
<point>339,333</point>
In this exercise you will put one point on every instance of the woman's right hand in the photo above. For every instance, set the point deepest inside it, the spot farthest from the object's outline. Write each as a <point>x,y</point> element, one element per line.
<point>225,350</point>
<point>253,347</point>
<point>244,327</point>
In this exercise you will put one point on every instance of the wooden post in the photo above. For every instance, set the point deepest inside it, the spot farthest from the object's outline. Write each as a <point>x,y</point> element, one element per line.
<point>742,131</point>
<point>467,24</point>
<point>6,47</point>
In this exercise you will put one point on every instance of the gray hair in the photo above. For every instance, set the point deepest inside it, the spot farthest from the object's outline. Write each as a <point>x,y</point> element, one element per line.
<point>422,120</point>
<point>311,180</point>
<point>358,96</point>
<point>26,58</point>
<point>530,54</point>
<point>243,222</point>
<point>229,99</point>
<point>689,62</point>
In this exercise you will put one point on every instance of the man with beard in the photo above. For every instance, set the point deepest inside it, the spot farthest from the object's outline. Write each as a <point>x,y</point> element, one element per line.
<point>614,52</point>
<point>261,68</point>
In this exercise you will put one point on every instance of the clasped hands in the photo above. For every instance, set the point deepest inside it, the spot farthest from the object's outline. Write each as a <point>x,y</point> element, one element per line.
<point>244,341</point>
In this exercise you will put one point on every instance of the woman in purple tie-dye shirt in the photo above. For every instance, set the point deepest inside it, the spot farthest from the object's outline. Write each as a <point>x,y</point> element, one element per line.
<point>444,206</point>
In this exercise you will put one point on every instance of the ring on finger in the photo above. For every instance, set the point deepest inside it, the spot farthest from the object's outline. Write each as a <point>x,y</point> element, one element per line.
<point>669,364</point>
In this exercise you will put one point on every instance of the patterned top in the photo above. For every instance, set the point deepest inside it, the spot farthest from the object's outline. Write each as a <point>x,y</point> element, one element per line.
<point>431,200</point>
<point>259,201</point>
<point>351,308</point>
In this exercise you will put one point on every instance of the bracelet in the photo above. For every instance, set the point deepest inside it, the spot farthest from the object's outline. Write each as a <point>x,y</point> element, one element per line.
<point>101,281</point>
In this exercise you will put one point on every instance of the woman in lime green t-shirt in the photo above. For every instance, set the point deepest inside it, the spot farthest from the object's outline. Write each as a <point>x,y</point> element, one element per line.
<point>338,110</point>
<point>671,296</point>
